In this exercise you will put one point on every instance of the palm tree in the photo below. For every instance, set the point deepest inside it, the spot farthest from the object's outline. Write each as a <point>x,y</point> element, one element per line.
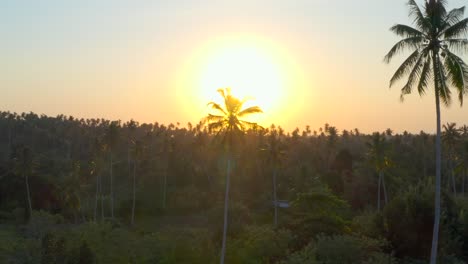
<point>436,35</point>
<point>275,154</point>
<point>24,167</point>
<point>450,137</point>
<point>112,137</point>
<point>137,152</point>
<point>227,123</point>
<point>378,149</point>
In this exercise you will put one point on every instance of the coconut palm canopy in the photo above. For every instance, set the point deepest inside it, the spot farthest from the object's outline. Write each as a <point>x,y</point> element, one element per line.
<point>228,119</point>
<point>434,39</point>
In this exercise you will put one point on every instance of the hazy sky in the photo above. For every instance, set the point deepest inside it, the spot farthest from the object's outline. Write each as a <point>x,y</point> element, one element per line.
<point>135,59</point>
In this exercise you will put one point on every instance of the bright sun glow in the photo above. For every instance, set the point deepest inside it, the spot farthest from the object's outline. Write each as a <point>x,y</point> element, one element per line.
<point>253,68</point>
<point>250,73</point>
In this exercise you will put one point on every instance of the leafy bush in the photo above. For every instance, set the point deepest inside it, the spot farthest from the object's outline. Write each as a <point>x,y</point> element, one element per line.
<point>259,244</point>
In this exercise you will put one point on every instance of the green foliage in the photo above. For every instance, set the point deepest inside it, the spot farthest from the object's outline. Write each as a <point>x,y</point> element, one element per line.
<point>345,249</point>
<point>318,211</point>
<point>259,244</point>
<point>41,223</point>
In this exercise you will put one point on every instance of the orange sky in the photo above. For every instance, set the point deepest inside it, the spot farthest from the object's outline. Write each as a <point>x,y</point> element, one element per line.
<point>150,61</point>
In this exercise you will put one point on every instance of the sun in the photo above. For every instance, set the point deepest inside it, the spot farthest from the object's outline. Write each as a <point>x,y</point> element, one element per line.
<point>254,69</point>
<point>248,70</point>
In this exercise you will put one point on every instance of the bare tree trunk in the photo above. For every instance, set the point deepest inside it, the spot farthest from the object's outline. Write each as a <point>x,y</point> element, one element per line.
<point>435,233</point>
<point>384,189</point>
<point>165,187</point>
<point>9,142</point>
<point>134,192</point>
<point>97,197</point>
<point>102,197</point>
<point>463,183</point>
<point>275,199</point>
<point>28,195</point>
<point>452,172</point>
<point>226,204</point>
<point>378,191</point>
<point>111,187</point>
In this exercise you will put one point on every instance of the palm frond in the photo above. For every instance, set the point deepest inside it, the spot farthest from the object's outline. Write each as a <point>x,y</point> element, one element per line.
<point>214,118</point>
<point>425,76</point>
<point>217,126</point>
<point>216,106</point>
<point>406,31</point>
<point>454,16</point>
<point>458,73</point>
<point>405,67</point>
<point>221,92</point>
<point>250,125</point>
<point>418,17</point>
<point>413,77</point>
<point>441,82</point>
<point>458,45</point>
<point>250,110</point>
<point>408,43</point>
<point>457,30</point>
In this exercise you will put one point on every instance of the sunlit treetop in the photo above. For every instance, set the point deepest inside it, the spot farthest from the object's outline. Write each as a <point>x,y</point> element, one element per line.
<point>228,117</point>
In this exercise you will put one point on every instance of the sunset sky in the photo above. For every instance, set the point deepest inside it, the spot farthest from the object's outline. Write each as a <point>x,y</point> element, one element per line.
<point>310,61</point>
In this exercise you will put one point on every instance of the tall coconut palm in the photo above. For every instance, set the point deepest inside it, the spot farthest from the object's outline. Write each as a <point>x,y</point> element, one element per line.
<point>434,39</point>
<point>24,167</point>
<point>112,137</point>
<point>275,154</point>
<point>450,138</point>
<point>378,155</point>
<point>137,152</point>
<point>227,124</point>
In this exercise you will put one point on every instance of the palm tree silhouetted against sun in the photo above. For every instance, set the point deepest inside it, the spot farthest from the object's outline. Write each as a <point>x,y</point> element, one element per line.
<point>228,124</point>
<point>436,35</point>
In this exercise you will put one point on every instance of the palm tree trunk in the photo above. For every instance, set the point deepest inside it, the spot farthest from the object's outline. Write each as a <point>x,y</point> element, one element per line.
<point>9,142</point>
<point>378,191</point>
<point>97,197</point>
<point>463,184</point>
<point>226,204</point>
<point>102,197</point>
<point>275,200</point>
<point>28,195</point>
<point>435,233</point>
<point>452,172</point>
<point>384,189</point>
<point>164,187</point>
<point>134,191</point>
<point>111,188</point>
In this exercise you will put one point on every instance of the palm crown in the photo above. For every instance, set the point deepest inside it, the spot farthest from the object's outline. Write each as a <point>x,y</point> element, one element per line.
<point>436,35</point>
<point>228,118</point>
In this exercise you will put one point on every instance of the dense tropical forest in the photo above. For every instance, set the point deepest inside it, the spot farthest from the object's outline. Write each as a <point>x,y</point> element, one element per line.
<point>228,190</point>
<point>101,191</point>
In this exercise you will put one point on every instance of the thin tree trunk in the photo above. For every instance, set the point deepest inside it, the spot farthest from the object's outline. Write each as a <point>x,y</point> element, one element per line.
<point>463,184</point>
<point>384,188</point>
<point>452,172</point>
<point>226,204</point>
<point>102,198</point>
<point>9,142</point>
<point>111,187</point>
<point>97,197</point>
<point>275,200</point>
<point>378,191</point>
<point>28,194</point>
<point>134,192</point>
<point>164,187</point>
<point>435,233</point>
